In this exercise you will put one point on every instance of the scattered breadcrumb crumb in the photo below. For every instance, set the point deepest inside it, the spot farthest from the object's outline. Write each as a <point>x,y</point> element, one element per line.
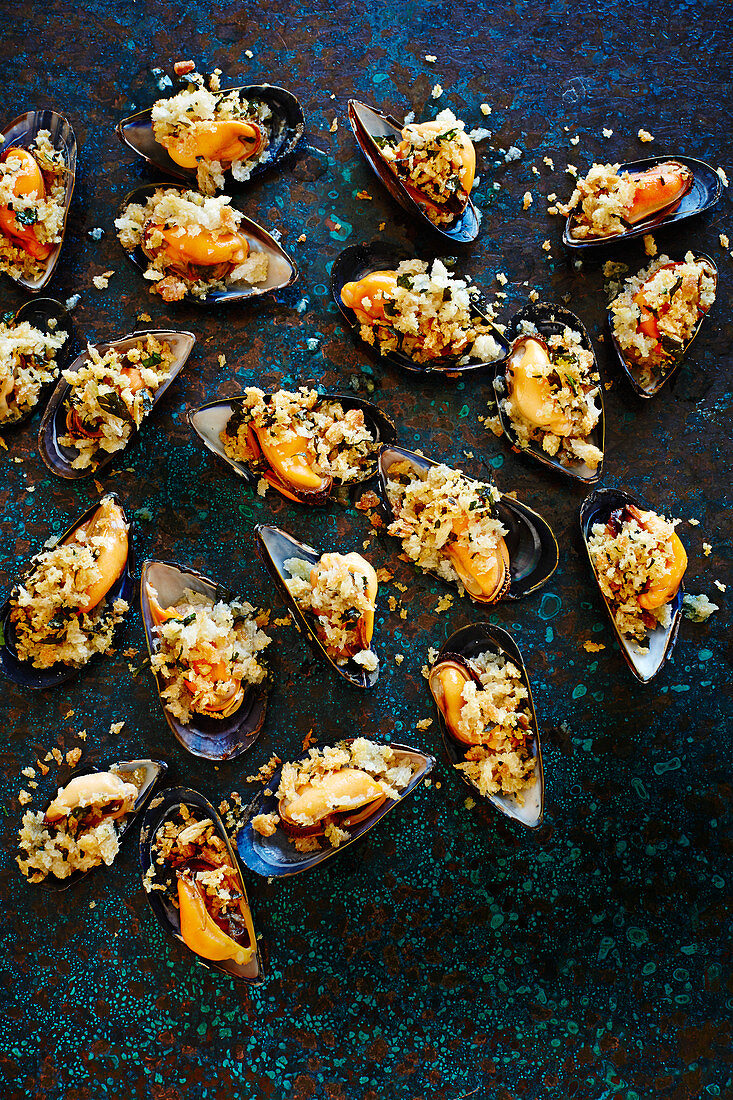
<point>546,246</point>
<point>430,57</point>
<point>29,773</point>
<point>334,125</point>
<point>24,797</point>
<point>222,361</point>
<point>116,728</point>
<point>535,170</point>
<point>501,278</point>
<point>593,647</point>
<point>443,604</point>
<point>694,522</point>
<point>722,176</point>
<point>469,803</point>
<point>549,162</point>
<point>527,200</point>
<point>381,226</point>
<point>301,238</point>
<point>645,136</point>
<point>286,621</point>
<point>571,170</point>
<point>267,770</point>
<point>575,140</point>
<point>101,282</point>
<point>437,91</point>
<point>607,133</point>
<point>424,723</point>
<point>248,53</point>
<point>720,586</point>
<point>533,296</point>
<point>73,757</point>
<point>650,245</point>
<point>364,195</point>
<point>707,549</point>
<point>57,755</point>
<point>724,240</point>
<point>398,658</point>
<point>485,109</point>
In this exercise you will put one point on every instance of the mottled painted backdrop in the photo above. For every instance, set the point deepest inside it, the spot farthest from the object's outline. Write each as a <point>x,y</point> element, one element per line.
<point>451,954</point>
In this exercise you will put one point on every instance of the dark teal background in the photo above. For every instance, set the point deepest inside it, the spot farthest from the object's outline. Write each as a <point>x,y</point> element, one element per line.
<point>450,954</point>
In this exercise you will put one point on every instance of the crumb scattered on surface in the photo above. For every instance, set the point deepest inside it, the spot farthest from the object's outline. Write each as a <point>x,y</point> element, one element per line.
<point>437,91</point>
<point>593,647</point>
<point>645,136</point>
<point>527,200</point>
<point>650,245</point>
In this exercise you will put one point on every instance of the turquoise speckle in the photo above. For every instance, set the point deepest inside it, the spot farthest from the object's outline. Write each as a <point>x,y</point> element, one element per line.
<point>550,606</point>
<point>579,691</point>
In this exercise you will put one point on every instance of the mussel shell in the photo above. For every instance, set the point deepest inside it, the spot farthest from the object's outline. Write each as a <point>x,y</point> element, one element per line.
<point>533,549</point>
<point>275,547</point>
<point>210,738</point>
<point>359,260</point>
<point>471,641</point>
<point>275,856</point>
<point>368,124</point>
<point>209,420</point>
<point>58,458</point>
<point>705,191</point>
<point>23,672</point>
<point>155,769</point>
<point>163,807</point>
<point>38,312</point>
<point>282,270</point>
<point>288,126</point>
<point>597,508</point>
<point>23,131</point>
<point>550,320</point>
<point>632,371</point>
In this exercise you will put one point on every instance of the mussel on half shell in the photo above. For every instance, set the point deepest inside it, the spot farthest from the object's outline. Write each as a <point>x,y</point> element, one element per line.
<point>285,132</point>
<point>209,420</point>
<point>282,270</point>
<point>58,457</point>
<point>549,320</point>
<point>597,508</point>
<point>704,191</point>
<point>275,856</point>
<point>22,133</point>
<point>368,125</point>
<point>23,672</point>
<point>275,547</point>
<point>210,738</point>
<point>45,314</point>
<point>358,261</point>
<point>467,643</point>
<point>531,546</point>
<point>163,808</point>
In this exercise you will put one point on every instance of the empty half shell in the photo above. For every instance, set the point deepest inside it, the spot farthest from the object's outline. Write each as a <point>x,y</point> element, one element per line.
<point>531,544</point>
<point>208,737</point>
<point>369,124</point>
<point>597,508</point>
<point>285,132</point>
<point>470,642</point>
<point>23,672</point>
<point>275,547</point>
<point>22,133</point>
<point>275,856</point>
<point>358,261</point>
<point>165,807</point>
<point>281,271</point>
<point>548,320</point>
<point>209,421</point>
<point>705,190</point>
<point>59,457</point>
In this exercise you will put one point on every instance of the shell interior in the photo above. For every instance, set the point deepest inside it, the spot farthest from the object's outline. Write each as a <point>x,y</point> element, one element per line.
<point>286,133</point>
<point>275,856</point>
<point>275,548</point>
<point>209,420</point>
<point>39,312</point>
<point>369,124</point>
<point>550,320</point>
<point>209,738</point>
<point>162,808</point>
<point>705,192</point>
<point>22,672</point>
<point>469,642</point>
<point>59,457</point>
<point>533,549</point>
<point>357,261</point>
<point>632,371</point>
<point>22,132</point>
<point>154,770</point>
<point>282,270</point>
<point>596,508</point>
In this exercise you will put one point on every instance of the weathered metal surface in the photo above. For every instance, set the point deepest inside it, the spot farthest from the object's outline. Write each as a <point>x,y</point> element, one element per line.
<point>450,953</point>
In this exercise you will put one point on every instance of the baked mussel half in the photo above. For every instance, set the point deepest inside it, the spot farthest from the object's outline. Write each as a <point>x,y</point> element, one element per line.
<point>205,647</point>
<point>621,537</point>
<point>89,422</point>
<point>374,130</point>
<point>385,296</point>
<point>66,608</point>
<point>549,392</point>
<point>38,159</point>
<point>83,827</point>
<point>201,267</point>
<point>266,142</point>
<point>657,316</point>
<point>36,343</point>
<point>667,189</point>
<point>194,884</point>
<point>331,598</point>
<point>524,554</point>
<point>325,800</point>
<point>288,448</point>
<point>479,675</point>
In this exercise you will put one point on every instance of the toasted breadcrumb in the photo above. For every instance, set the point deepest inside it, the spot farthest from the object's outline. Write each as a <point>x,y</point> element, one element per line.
<point>645,136</point>
<point>437,91</point>
<point>485,109</point>
<point>527,200</point>
<point>650,245</point>
<point>593,647</point>
<point>707,549</point>
<point>607,133</point>
<point>424,724</point>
